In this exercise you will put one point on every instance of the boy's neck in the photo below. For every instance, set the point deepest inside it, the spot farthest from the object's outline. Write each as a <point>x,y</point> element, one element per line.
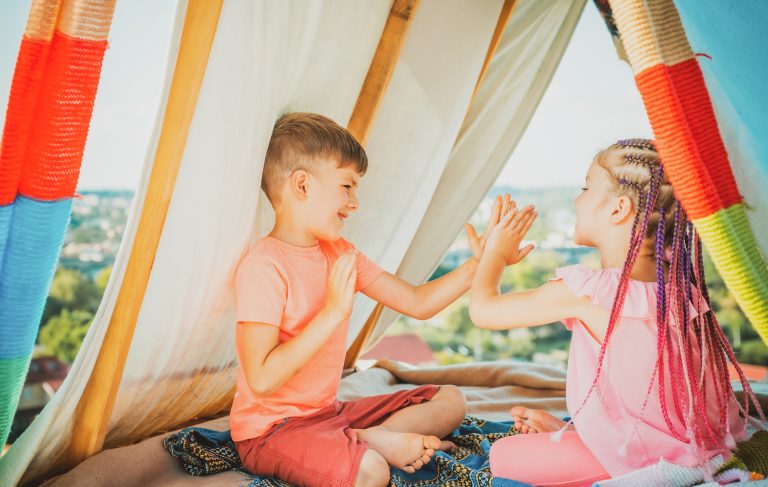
<point>292,234</point>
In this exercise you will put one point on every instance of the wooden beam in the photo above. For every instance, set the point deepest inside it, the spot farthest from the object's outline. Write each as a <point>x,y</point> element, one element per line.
<point>501,26</point>
<point>382,67</point>
<point>95,407</point>
<point>368,102</point>
<point>365,333</point>
<point>362,338</point>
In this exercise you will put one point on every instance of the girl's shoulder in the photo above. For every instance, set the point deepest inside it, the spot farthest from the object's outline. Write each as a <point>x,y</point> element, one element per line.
<point>601,286</point>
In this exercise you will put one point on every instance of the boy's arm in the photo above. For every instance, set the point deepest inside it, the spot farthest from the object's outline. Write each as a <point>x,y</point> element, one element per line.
<point>269,364</point>
<point>423,302</point>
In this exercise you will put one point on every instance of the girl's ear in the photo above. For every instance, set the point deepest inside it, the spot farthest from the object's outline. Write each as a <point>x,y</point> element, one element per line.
<point>299,182</point>
<point>622,210</point>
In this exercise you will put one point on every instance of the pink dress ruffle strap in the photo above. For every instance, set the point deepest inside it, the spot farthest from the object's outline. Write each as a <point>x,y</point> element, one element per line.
<point>601,285</point>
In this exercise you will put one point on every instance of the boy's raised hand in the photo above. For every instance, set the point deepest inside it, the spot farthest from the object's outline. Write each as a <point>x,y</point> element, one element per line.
<point>506,236</point>
<point>501,206</point>
<point>341,285</point>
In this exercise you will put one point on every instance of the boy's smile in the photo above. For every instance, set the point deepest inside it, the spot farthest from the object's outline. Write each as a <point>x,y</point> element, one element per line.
<point>331,198</point>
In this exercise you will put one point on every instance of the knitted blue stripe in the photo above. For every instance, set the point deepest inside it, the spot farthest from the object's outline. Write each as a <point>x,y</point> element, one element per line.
<point>32,250</point>
<point>5,223</point>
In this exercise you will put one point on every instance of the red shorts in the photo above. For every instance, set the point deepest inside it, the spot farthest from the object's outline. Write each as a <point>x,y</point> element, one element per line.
<point>321,449</point>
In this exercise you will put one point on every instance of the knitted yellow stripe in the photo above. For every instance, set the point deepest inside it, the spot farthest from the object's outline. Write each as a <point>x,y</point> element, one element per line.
<point>734,251</point>
<point>651,32</point>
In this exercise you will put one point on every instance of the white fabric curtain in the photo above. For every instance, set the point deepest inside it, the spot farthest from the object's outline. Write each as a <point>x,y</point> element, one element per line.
<point>268,57</point>
<point>528,55</point>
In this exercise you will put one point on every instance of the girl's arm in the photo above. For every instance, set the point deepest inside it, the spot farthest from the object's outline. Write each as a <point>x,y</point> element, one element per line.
<point>546,304</point>
<point>424,301</point>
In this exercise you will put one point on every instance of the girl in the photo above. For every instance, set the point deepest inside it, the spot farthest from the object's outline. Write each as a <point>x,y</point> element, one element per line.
<point>647,371</point>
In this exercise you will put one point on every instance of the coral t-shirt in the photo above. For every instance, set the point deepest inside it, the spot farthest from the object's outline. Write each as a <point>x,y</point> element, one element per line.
<point>286,286</point>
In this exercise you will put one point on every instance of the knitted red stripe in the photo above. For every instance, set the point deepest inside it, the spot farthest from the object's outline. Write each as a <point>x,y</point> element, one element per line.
<point>63,114</point>
<point>27,78</point>
<point>688,138</point>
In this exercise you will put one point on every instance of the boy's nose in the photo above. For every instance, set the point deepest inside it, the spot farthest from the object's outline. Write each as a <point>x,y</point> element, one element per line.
<point>352,203</point>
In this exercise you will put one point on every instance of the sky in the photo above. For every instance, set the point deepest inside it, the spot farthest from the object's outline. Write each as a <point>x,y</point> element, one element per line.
<point>591,102</point>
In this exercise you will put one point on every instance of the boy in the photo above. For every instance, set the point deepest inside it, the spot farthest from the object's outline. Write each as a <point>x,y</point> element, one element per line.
<point>294,292</point>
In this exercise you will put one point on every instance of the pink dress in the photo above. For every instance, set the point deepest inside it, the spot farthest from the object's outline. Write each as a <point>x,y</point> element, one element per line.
<point>607,421</point>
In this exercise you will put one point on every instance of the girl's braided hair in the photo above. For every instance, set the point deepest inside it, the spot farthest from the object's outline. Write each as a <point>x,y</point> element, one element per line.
<point>692,351</point>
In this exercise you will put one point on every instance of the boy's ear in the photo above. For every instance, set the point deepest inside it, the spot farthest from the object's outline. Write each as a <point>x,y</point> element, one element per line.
<point>298,182</point>
<point>621,210</point>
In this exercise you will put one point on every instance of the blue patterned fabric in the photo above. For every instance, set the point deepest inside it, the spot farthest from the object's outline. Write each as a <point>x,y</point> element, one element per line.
<point>206,452</point>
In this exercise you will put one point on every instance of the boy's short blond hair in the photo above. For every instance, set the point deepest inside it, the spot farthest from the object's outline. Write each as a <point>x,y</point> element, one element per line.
<point>298,140</point>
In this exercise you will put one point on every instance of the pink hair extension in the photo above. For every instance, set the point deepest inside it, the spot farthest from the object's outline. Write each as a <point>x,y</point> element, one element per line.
<point>647,203</point>
<point>697,351</point>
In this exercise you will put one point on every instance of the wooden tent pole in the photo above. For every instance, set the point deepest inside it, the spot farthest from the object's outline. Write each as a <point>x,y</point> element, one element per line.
<point>375,85</point>
<point>501,26</point>
<point>365,333</point>
<point>95,407</point>
<point>382,67</point>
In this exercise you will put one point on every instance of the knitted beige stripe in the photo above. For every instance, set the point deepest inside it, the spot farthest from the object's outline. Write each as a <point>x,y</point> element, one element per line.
<point>651,32</point>
<point>86,19</point>
<point>42,19</point>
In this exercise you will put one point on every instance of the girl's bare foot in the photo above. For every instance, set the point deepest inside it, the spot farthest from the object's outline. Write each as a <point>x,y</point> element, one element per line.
<point>535,420</point>
<point>406,451</point>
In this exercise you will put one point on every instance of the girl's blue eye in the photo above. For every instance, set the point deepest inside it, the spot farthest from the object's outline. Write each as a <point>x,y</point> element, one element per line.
<point>583,189</point>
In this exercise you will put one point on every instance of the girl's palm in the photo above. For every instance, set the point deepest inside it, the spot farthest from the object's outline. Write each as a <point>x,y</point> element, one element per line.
<point>505,238</point>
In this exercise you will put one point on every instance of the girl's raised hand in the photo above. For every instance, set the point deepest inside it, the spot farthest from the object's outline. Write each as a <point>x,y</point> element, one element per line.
<point>506,236</point>
<point>501,206</point>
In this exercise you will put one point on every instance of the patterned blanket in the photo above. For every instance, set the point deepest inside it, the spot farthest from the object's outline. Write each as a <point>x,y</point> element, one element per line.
<point>206,452</point>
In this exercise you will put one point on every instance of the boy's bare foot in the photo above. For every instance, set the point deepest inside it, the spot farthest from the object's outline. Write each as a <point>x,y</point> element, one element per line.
<point>448,446</point>
<point>535,420</point>
<point>406,451</point>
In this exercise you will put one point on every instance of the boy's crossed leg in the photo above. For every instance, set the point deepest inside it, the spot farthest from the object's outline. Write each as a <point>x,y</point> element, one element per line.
<point>354,443</point>
<point>408,438</point>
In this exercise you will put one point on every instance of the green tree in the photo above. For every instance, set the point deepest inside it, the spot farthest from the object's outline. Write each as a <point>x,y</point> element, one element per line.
<point>102,279</point>
<point>62,335</point>
<point>71,290</point>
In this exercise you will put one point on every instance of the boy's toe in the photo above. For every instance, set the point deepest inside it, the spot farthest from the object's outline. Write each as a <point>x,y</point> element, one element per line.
<point>448,446</point>
<point>431,443</point>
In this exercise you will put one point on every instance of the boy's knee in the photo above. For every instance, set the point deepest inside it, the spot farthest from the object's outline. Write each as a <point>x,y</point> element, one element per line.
<point>373,471</point>
<point>454,399</point>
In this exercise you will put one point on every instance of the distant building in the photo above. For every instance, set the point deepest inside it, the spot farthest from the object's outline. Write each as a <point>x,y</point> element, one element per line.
<point>753,373</point>
<point>45,376</point>
<point>408,348</point>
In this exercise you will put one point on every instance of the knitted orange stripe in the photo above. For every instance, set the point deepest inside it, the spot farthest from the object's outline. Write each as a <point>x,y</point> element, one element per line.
<point>27,78</point>
<point>63,113</point>
<point>688,138</point>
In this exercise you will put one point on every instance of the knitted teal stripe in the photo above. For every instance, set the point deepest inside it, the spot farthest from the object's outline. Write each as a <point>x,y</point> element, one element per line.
<point>13,371</point>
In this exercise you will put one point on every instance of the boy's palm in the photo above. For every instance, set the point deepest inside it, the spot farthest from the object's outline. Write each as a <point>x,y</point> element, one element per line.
<point>341,285</point>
